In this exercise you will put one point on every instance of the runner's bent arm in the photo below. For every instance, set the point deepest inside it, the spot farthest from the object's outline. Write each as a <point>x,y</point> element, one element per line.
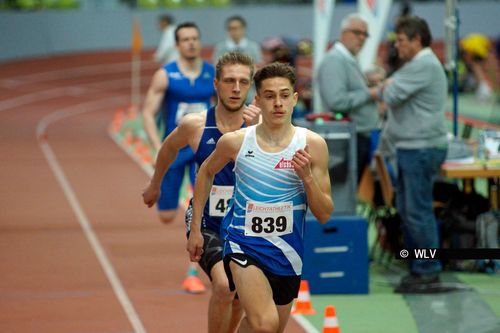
<point>152,104</point>
<point>226,150</point>
<point>311,165</point>
<point>176,140</point>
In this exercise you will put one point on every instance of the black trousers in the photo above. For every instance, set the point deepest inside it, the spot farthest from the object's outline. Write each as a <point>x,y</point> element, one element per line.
<point>363,152</point>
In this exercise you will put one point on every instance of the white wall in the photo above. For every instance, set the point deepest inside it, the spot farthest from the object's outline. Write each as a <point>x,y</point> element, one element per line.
<point>29,34</point>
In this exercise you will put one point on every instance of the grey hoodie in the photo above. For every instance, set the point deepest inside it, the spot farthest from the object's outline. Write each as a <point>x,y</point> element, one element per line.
<point>416,98</point>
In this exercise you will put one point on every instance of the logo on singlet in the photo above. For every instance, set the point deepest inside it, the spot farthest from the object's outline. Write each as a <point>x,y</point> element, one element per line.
<point>284,164</point>
<point>210,141</point>
<point>175,75</point>
<point>249,153</point>
<point>249,208</point>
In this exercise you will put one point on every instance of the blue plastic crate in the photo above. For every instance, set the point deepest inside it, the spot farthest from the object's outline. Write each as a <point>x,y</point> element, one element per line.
<point>336,255</point>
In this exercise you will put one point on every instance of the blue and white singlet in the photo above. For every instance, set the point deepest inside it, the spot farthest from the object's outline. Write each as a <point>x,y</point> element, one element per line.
<point>267,213</point>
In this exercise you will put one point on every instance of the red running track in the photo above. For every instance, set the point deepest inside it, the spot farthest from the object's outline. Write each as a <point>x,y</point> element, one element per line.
<point>79,252</point>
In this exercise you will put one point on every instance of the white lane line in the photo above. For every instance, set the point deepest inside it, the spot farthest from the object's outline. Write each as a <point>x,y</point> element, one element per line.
<point>56,168</point>
<point>73,110</point>
<point>75,90</point>
<point>38,96</point>
<point>65,73</point>
<point>306,324</point>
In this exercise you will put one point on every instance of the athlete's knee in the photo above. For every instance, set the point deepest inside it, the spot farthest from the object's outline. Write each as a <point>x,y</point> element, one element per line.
<point>167,216</point>
<point>237,305</point>
<point>264,323</point>
<point>237,310</point>
<point>221,291</point>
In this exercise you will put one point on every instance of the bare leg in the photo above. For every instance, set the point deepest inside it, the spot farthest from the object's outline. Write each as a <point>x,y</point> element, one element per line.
<point>256,297</point>
<point>236,315</point>
<point>168,216</point>
<point>193,267</point>
<point>284,314</point>
<point>221,315</point>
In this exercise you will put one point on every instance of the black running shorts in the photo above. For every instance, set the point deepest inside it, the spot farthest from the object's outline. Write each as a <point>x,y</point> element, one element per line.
<point>212,245</point>
<point>285,288</point>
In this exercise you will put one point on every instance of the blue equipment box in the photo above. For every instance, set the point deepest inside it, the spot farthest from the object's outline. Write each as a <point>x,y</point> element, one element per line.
<point>336,255</point>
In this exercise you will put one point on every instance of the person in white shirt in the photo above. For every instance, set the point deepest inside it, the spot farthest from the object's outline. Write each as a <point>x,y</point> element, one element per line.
<point>166,51</point>
<point>237,41</point>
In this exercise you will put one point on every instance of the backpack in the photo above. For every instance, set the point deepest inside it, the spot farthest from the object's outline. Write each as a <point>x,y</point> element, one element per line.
<point>487,225</point>
<point>487,229</point>
<point>458,225</point>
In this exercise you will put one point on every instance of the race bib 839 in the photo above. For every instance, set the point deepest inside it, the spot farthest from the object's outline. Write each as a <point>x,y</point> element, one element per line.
<point>268,219</point>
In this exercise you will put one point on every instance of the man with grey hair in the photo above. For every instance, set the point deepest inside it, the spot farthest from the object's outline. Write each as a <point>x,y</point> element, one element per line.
<point>343,87</point>
<point>416,125</point>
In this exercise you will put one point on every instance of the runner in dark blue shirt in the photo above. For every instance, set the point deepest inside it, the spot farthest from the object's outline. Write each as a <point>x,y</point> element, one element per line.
<point>200,132</point>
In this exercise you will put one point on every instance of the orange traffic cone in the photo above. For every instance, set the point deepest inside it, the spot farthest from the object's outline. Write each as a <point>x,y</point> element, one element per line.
<point>132,112</point>
<point>330,324</point>
<point>192,283</point>
<point>141,150</point>
<point>303,303</point>
<point>128,137</point>
<point>117,122</point>
<point>147,158</point>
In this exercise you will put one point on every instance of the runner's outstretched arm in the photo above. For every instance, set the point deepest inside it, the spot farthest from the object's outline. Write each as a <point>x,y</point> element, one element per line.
<point>226,150</point>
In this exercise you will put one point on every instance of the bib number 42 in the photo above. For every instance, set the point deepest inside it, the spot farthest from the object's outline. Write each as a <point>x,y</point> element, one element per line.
<point>222,205</point>
<point>220,195</point>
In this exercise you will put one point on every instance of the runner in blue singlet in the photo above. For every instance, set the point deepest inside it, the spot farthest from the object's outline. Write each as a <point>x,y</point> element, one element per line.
<point>280,170</point>
<point>181,87</point>
<point>201,132</point>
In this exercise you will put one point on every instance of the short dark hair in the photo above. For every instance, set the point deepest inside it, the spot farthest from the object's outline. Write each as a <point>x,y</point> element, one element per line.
<point>236,18</point>
<point>233,58</point>
<point>412,26</point>
<point>166,18</point>
<point>185,25</point>
<point>276,69</point>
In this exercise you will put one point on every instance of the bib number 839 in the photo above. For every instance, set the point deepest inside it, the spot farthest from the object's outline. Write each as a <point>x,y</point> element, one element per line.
<point>269,224</point>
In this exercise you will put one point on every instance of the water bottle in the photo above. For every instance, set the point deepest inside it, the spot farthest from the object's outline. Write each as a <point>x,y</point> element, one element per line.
<point>481,148</point>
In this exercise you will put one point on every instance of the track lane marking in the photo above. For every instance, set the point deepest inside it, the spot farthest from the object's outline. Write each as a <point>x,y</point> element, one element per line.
<point>65,185</point>
<point>79,72</point>
<point>75,91</point>
<point>47,150</point>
